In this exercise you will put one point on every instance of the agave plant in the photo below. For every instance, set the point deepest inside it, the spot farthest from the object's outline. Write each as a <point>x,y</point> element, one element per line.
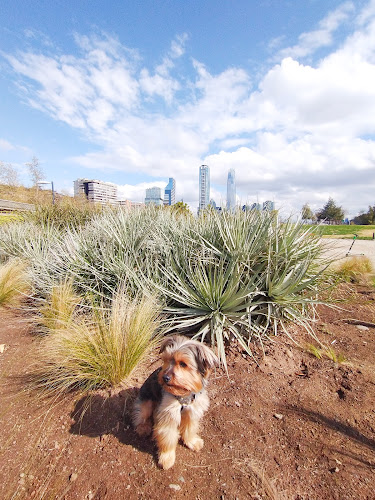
<point>241,275</point>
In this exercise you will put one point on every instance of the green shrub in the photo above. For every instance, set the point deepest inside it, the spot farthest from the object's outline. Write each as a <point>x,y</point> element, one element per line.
<point>218,276</point>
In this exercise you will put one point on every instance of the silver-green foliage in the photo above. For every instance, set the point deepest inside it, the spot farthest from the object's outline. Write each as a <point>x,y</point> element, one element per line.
<point>219,276</point>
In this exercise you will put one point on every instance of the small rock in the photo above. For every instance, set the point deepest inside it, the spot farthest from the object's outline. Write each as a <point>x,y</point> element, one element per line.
<point>90,495</point>
<point>279,416</point>
<point>73,476</point>
<point>237,404</point>
<point>3,347</point>
<point>181,479</point>
<point>363,328</point>
<point>175,487</point>
<point>334,469</point>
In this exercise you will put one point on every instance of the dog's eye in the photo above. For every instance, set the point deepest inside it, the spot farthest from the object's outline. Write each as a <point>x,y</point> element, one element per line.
<point>182,364</point>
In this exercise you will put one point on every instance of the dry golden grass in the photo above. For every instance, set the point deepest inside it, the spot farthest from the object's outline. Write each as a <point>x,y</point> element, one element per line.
<point>58,310</point>
<point>355,270</point>
<point>99,350</point>
<point>14,283</point>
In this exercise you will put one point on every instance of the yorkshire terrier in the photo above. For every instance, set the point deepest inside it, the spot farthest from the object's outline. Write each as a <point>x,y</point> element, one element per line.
<point>173,399</point>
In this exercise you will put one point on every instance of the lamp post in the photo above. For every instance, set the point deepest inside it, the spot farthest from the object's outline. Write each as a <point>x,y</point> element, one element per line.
<point>40,183</point>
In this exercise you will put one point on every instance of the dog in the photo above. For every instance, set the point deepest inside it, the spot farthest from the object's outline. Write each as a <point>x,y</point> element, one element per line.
<point>173,399</point>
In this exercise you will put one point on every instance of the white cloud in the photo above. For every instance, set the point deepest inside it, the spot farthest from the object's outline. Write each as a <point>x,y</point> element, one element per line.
<point>310,41</point>
<point>304,133</point>
<point>6,145</point>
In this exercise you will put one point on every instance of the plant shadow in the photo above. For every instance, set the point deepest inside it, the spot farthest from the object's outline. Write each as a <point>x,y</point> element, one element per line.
<point>100,415</point>
<point>335,424</point>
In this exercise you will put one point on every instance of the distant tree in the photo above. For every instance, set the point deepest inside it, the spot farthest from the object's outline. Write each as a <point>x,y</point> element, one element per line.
<point>307,213</point>
<point>365,218</point>
<point>9,174</point>
<point>331,212</point>
<point>181,208</point>
<point>35,171</point>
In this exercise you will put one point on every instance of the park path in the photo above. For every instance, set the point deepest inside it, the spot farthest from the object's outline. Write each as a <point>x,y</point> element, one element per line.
<point>339,248</point>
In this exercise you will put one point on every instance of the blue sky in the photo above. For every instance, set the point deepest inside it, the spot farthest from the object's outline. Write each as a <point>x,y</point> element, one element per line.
<point>135,92</point>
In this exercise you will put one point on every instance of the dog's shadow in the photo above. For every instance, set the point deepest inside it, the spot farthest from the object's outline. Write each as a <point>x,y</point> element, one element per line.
<point>100,415</point>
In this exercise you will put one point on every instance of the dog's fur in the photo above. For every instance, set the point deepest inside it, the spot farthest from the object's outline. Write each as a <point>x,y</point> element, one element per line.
<point>173,399</point>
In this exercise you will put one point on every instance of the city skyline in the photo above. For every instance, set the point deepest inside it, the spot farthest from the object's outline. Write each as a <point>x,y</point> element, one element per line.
<point>231,190</point>
<point>280,91</point>
<point>204,187</point>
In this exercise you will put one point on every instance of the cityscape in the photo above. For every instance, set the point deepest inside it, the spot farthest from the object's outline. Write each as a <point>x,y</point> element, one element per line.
<point>97,191</point>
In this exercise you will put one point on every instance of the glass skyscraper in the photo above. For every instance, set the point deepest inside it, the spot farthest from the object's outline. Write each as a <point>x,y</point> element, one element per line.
<point>204,186</point>
<point>153,196</point>
<point>170,192</point>
<point>231,190</point>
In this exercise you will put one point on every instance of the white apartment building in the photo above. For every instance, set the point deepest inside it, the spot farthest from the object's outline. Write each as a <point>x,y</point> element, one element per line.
<point>96,191</point>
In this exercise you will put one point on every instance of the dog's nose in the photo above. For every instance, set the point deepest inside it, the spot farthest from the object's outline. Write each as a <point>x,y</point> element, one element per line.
<point>166,378</point>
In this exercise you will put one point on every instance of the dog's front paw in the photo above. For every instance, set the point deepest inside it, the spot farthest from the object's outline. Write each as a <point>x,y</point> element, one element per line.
<point>195,444</point>
<point>144,429</point>
<point>167,459</point>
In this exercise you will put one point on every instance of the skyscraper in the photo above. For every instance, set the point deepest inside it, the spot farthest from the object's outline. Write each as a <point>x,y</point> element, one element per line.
<point>204,186</point>
<point>231,190</point>
<point>170,192</point>
<point>153,196</point>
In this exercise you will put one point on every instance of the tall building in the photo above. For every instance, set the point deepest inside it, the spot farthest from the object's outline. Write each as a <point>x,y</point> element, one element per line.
<point>170,192</point>
<point>269,205</point>
<point>153,196</point>
<point>96,191</point>
<point>231,190</point>
<point>204,187</point>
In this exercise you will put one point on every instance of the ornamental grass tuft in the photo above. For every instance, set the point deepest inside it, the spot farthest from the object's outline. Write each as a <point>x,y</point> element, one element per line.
<point>14,283</point>
<point>100,349</point>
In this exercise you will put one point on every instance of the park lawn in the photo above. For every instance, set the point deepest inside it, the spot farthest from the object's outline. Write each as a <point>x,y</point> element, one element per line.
<point>346,231</point>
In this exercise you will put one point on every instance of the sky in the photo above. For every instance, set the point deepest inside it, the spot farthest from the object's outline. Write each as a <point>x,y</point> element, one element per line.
<point>135,92</point>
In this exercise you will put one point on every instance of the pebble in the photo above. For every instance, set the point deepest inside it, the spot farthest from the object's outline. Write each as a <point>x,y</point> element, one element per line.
<point>279,416</point>
<point>181,479</point>
<point>363,328</point>
<point>2,348</point>
<point>73,476</point>
<point>175,487</point>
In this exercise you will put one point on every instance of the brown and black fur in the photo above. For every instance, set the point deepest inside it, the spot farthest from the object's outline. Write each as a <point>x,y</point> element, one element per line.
<point>173,399</point>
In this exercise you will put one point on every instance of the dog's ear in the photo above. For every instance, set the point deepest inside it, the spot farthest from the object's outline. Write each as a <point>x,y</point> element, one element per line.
<point>206,359</point>
<point>167,343</point>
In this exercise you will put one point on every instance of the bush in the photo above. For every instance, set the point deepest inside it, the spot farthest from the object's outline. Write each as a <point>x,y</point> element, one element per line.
<point>218,276</point>
<point>14,284</point>
<point>355,270</point>
<point>97,350</point>
<point>64,213</point>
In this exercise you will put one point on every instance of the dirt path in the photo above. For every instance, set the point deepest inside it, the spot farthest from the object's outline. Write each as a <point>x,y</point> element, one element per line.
<point>292,427</point>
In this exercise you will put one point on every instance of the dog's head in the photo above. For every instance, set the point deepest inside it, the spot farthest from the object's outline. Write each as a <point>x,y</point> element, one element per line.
<point>186,365</point>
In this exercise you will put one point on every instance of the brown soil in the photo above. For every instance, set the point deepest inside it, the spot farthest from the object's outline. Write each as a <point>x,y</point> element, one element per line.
<point>291,427</point>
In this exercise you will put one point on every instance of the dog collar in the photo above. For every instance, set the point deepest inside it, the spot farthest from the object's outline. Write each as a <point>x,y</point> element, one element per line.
<point>186,400</point>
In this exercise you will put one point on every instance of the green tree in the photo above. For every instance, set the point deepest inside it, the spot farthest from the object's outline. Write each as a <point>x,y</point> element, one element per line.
<point>331,212</point>
<point>364,218</point>
<point>181,208</point>
<point>307,213</point>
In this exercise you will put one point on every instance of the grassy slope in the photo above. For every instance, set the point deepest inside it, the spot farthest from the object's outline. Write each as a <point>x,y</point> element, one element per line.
<point>346,231</point>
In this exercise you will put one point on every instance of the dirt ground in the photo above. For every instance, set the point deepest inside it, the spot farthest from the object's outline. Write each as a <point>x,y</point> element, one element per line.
<point>290,427</point>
